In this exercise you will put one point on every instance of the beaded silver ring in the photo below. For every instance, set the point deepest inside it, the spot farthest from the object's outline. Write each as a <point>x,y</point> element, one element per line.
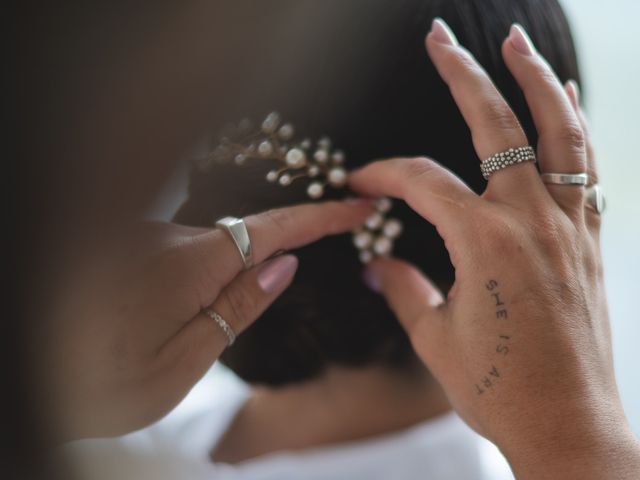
<point>505,159</point>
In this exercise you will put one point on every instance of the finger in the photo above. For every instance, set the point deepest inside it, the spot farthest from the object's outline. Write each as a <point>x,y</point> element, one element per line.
<point>415,301</point>
<point>573,91</point>
<point>201,341</point>
<point>428,188</point>
<point>494,127</point>
<point>561,146</point>
<point>215,259</point>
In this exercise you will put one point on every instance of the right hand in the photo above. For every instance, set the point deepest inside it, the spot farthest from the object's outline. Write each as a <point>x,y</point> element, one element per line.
<point>522,346</point>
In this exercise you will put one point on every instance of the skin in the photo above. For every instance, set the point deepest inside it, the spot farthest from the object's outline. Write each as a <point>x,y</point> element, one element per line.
<point>126,357</point>
<point>522,346</point>
<point>320,412</point>
<point>537,380</point>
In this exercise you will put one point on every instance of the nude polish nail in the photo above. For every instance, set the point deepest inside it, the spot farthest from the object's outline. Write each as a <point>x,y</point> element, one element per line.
<point>442,33</point>
<point>275,274</point>
<point>520,40</point>
<point>371,280</point>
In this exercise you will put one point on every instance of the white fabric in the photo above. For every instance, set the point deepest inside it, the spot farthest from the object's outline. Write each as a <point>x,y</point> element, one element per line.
<point>178,448</point>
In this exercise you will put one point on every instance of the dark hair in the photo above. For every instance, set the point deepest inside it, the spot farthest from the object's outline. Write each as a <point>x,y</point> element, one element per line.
<point>358,72</point>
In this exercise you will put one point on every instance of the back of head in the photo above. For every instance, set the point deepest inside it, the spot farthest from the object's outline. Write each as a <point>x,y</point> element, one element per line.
<point>358,72</point>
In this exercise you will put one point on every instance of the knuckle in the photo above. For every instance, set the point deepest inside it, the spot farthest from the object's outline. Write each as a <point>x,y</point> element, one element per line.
<point>572,136</point>
<point>280,218</point>
<point>418,167</point>
<point>553,237</point>
<point>240,304</point>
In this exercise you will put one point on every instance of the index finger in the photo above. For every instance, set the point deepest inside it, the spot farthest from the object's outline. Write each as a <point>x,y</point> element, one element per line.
<point>270,232</point>
<point>431,190</point>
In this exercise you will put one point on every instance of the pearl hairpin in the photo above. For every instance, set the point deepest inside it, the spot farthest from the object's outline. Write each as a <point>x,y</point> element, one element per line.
<point>376,237</point>
<point>322,164</point>
<point>275,142</point>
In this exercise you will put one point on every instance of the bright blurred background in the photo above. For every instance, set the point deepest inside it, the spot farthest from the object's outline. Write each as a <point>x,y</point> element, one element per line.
<point>609,49</point>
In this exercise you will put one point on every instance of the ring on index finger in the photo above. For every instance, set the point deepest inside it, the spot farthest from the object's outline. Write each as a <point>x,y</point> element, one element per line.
<point>237,230</point>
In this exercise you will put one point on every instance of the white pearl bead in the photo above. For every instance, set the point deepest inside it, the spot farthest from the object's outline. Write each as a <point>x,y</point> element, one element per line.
<point>313,171</point>
<point>338,157</point>
<point>363,240</point>
<point>240,159</point>
<point>383,204</point>
<point>374,222</point>
<point>337,177</point>
<point>382,246</point>
<point>366,256</point>
<point>272,176</point>
<point>265,148</point>
<point>296,158</point>
<point>321,156</point>
<point>305,144</point>
<point>286,131</point>
<point>315,190</point>
<point>285,180</point>
<point>271,123</point>
<point>392,228</point>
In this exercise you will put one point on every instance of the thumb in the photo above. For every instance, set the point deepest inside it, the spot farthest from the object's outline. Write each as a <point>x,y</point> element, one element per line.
<point>412,297</point>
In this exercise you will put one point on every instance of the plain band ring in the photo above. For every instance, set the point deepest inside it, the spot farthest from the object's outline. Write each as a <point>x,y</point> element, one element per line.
<point>222,323</point>
<point>237,229</point>
<point>581,179</point>
<point>595,199</point>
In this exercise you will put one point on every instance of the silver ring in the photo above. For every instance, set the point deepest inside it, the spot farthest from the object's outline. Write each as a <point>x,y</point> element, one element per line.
<point>505,159</point>
<point>581,179</point>
<point>221,322</point>
<point>237,229</point>
<point>595,199</point>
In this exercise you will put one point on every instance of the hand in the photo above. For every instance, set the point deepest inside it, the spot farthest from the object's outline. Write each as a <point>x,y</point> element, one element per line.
<point>522,345</point>
<point>136,340</point>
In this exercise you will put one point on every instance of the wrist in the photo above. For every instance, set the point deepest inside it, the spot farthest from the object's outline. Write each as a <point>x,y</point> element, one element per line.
<point>579,451</point>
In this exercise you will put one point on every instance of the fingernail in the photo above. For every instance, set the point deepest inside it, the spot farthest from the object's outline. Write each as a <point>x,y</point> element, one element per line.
<point>442,33</point>
<point>520,40</point>
<point>371,280</point>
<point>275,274</point>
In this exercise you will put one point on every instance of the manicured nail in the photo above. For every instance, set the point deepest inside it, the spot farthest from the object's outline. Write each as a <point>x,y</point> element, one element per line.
<point>442,33</point>
<point>371,280</point>
<point>520,40</point>
<point>275,274</point>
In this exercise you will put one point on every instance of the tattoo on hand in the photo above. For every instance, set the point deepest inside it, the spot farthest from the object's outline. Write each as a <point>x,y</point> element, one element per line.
<point>502,349</point>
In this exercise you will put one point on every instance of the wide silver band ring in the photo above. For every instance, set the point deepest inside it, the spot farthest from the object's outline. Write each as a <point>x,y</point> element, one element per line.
<point>595,199</point>
<point>237,230</point>
<point>222,323</point>
<point>581,179</point>
<point>505,159</point>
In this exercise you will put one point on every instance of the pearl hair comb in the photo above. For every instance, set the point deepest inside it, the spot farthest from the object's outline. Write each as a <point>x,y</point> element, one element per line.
<point>293,160</point>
